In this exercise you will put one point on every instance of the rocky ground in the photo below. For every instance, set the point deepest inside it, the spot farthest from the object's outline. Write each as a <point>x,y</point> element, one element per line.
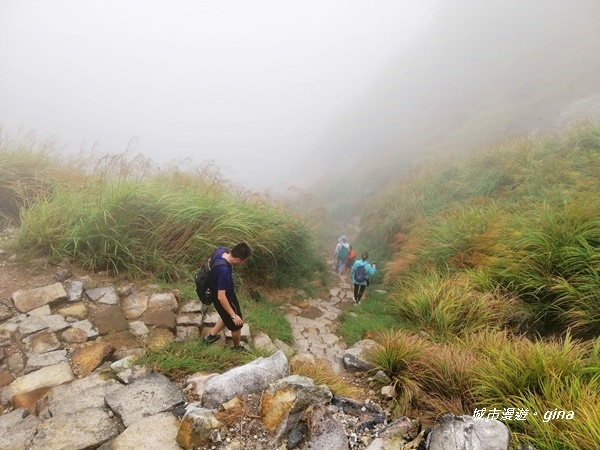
<point>314,325</point>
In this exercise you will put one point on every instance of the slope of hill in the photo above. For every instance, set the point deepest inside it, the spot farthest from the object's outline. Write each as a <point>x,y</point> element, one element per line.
<point>478,76</point>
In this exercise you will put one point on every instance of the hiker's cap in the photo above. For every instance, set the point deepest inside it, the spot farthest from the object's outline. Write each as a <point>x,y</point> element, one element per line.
<point>343,239</point>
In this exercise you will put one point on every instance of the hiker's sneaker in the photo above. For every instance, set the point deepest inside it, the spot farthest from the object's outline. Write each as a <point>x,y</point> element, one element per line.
<point>239,348</point>
<point>210,339</point>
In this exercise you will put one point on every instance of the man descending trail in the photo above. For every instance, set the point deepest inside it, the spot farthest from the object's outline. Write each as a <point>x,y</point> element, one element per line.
<point>341,254</point>
<point>226,302</point>
<point>361,272</point>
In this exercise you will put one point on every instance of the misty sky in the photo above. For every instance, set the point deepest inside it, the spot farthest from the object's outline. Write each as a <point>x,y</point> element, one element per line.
<point>252,85</point>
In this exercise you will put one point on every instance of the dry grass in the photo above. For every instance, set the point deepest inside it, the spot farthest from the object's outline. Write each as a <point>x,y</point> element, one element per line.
<point>321,372</point>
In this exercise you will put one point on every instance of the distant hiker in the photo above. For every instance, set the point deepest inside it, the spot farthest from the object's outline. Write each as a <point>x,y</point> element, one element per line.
<point>361,272</point>
<point>350,260</point>
<point>341,254</point>
<point>226,302</point>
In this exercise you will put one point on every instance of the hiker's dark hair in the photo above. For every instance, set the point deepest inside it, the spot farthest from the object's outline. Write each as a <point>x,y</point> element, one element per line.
<point>364,256</point>
<point>242,251</point>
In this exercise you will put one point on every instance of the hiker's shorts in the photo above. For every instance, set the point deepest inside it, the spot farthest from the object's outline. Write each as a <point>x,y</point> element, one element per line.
<point>233,302</point>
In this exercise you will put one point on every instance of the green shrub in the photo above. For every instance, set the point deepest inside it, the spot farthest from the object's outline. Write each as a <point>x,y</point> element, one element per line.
<point>371,315</point>
<point>165,225</point>
<point>445,307</point>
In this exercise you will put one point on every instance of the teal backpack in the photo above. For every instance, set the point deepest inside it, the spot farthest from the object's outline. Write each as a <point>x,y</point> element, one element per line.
<point>343,253</point>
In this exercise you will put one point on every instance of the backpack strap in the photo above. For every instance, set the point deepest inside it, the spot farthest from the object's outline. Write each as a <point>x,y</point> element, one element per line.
<point>220,262</point>
<point>217,263</point>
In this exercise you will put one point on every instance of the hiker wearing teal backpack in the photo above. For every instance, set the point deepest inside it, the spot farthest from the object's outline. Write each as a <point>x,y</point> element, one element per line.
<point>341,254</point>
<point>362,271</point>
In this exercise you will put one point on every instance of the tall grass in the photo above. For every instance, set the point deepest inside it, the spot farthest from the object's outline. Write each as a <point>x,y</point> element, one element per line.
<point>471,242</point>
<point>494,370</point>
<point>445,307</point>
<point>523,215</point>
<point>373,314</point>
<point>165,224</point>
<point>552,262</point>
<point>26,173</point>
<point>551,428</point>
<point>179,359</point>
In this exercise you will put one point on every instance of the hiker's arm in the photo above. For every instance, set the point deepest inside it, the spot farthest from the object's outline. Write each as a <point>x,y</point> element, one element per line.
<point>372,270</point>
<point>222,297</point>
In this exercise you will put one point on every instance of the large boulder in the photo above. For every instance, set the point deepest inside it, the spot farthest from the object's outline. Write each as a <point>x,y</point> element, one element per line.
<point>246,379</point>
<point>466,433</point>
<point>283,402</point>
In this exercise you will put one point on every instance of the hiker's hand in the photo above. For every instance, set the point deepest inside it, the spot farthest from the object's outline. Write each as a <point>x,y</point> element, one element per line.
<point>237,320</point>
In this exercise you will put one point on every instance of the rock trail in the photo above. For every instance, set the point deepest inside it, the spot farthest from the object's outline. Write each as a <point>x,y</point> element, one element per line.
<point>314,327</point>
<point>66,347</point>
<point>67,379</point>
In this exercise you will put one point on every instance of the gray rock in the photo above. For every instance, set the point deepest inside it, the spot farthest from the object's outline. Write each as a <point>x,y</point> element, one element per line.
<point>134,305</point>
<point>263,341</point>
<point>86,326</point>
<point>356,357</point>
<point>77,311</point>
<point>28,300</point>
<point>105,295</point>
<point>465,433</point>
<point>32,325</point>
<point>193,306</point>
<point>45,377</point>
<point>128,376</point>
<point>62,274</point>
<point>285,401</point>
<point>6,310</point>
<point>41,342</point>
<point>74,290</point>
<point>55,322</point>
<point>138,328</point>
<point>37,361</point>
<point>88,428</point>
<point>162,300</point>
<point>197,426</point>
<point>89,392</point>
<point>41,311</point>
<point>158,431</point>
<point>17,429</point>
<point>187,333</point>
<point>74,336</point>
<point>144,397</point>
<point>249,378</point>
<point>190,319</point>
<point>324,433</point>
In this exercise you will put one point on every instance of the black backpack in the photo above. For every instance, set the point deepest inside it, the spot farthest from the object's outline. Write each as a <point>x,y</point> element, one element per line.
<point>360,274</point>
<point>204,287</point>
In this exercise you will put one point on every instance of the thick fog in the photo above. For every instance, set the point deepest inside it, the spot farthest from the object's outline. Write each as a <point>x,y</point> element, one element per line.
<point>284,93</point>
<point>483,72</point>
<point>252,85</point>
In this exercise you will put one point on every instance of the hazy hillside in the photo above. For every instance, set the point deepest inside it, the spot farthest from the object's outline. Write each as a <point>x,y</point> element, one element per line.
<point>476,77</point>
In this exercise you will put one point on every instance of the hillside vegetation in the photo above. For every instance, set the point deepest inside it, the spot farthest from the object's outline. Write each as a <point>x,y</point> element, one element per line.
<point>494,286</point>
<point>123,215</point>
<point>492,267</point>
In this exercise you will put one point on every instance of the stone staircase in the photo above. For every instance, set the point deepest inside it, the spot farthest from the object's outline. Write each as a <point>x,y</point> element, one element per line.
<point>314,324</point>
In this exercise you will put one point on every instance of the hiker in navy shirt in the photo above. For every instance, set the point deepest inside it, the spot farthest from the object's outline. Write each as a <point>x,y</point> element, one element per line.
<point>226,302</point>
